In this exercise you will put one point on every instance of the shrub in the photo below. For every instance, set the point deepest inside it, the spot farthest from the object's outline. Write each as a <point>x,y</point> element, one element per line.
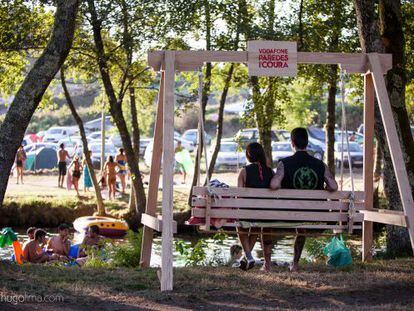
<point>127,254</point>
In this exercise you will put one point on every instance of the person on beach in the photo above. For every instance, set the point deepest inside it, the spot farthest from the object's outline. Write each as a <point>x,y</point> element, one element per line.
<point>76,173</point>
<point>63,156</point>
<point>30,232</point>
<point>60,244</point>
<point>110,171</point>
<point>258,174</point>
<point>122,171</point>
<point>302,171</point>
<point>20,159</point>
<point>92,240</point>
<point>87,180</point>
<point>33,250</point>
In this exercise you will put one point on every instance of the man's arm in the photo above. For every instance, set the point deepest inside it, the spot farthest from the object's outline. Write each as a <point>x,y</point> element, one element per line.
<point>276,182</point>
<point>331,184</point>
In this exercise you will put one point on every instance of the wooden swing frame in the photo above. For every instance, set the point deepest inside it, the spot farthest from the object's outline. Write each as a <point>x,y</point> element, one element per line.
<point>373,66</point>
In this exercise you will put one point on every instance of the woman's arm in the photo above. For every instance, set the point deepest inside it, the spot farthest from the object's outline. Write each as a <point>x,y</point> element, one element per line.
<point>331,184</point>
<point>241,180</point>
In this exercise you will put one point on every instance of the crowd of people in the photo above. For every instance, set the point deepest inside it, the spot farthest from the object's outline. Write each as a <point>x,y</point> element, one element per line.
<point>113,169</point>
<point>39,249</point>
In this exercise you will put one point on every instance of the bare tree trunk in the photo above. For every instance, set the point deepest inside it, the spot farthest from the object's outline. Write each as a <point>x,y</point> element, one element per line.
<point>99,200</point>
<point>115,108</point>
<point>34,85</point>
<point>204,97</point>
<point>300,28</point>
<point>135,145</point>
<point>220,121</point>
<point>330,117</point>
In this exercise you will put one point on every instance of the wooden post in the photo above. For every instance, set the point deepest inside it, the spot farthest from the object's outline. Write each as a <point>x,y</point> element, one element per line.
<point>393,143</point>
<point>369,102</point>
<point>151,207</point>
<point>167,176</point>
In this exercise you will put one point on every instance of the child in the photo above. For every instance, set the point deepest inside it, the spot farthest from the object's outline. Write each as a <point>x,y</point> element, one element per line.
<point>60,244</point>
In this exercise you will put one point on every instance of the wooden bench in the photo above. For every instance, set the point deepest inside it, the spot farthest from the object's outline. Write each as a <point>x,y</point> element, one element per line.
<point>304,209</point>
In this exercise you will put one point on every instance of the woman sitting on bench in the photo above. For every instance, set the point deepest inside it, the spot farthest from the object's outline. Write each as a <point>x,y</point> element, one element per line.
<point>301,171</point>
<point>258,174</point>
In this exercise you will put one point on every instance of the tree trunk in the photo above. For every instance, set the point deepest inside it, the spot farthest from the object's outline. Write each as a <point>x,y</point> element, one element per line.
<point>135,145</point>
<point>34,85</point>
<point>391,31</point>
<point>99,200</point>
<point>330,117</point>
<point>220,121</point>
<point>370,37</point>
<point>300,28</point>
<point>204,98</point>
<point>115,108</point>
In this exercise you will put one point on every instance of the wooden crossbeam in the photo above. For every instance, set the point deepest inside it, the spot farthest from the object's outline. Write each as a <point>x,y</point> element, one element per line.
<point>193,60</point>
<point>155,223</point>
<point>385,217</point>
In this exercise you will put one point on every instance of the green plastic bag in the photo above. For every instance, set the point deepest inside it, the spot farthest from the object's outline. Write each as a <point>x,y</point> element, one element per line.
<point>7,237</point>
<point>338,254</point>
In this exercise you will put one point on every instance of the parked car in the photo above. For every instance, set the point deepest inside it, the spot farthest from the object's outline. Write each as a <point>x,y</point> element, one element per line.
<point>96,148</point>
<point>247,136</point>
<point>356,153</point>
<point>192,135</point>
<point>148,150</point>
<point>95,137</point>
<point>281,150</point>
<point>315,150</point>
<point>56,133</point>
<point>115,140</point>
<point>229,155</point>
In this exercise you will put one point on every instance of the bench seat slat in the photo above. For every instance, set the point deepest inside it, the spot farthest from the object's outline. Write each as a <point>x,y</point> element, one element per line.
<point>275,204</point>
<point>282,193</point>
<point>274,215</point>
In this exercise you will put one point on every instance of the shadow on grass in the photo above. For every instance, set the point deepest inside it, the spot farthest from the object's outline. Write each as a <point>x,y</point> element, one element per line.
<point>387,285</point>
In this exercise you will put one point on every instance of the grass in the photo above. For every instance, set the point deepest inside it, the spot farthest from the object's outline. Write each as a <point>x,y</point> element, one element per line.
<point>380,285</point>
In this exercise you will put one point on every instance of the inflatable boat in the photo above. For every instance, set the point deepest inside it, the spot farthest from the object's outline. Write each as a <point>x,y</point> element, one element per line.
<point>108,227</point>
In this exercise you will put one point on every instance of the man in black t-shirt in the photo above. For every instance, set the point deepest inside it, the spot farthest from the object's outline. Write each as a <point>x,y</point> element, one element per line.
<point>302,171</point>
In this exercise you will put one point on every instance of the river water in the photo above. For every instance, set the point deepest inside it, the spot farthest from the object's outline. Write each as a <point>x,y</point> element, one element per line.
<point>216,252</point>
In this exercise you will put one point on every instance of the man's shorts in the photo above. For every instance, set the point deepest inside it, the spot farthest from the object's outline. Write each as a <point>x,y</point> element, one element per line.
<point>62,168</point>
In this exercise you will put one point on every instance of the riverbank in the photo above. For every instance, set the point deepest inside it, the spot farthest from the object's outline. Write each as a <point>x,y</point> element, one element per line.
<point>380,285</point>
<point>39,202</point>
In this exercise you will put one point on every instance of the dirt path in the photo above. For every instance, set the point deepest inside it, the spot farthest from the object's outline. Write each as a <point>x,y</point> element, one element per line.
<point>381,285</point>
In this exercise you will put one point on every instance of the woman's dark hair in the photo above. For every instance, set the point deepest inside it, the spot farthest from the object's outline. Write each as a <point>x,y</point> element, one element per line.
<point>39,233</point>
<point>255,153</point>
<point>121,150</point>
<point>111,159</point>
<point>299,137</point>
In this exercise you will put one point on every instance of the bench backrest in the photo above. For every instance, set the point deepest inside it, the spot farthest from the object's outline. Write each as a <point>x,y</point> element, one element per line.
<point>305,206</point>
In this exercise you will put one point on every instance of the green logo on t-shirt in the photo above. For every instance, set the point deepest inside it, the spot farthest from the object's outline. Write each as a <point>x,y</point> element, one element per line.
<point>305,178</point>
